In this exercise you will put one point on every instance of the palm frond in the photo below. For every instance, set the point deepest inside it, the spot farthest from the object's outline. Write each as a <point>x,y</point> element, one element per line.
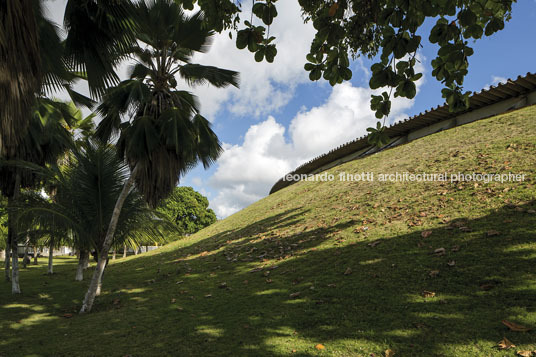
<point>99,34</point>
<point>196,74</point>
<point>20,72</point>
<point>117,101</point>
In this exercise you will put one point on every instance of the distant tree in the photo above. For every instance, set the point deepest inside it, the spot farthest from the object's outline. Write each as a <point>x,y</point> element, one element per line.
<point>188,210</point>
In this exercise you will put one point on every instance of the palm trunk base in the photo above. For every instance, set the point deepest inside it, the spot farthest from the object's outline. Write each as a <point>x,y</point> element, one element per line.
<point>35,255</point>
<point>50,260</point>
<point>82,265</point>
<point>94,286</point>
<point>15,287</point>
<point>103,256</point>
<point>7,265</point>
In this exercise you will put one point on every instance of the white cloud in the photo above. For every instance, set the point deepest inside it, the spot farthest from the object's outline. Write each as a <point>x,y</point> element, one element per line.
<point>495,80</point>
<point>197,181</point>
<point>247,171</point>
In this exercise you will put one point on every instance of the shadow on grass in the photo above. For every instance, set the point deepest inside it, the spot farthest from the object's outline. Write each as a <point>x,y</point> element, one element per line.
<point>207,298</point>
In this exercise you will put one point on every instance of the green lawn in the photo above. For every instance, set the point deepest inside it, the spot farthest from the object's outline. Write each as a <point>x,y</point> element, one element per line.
<point>342,264</point>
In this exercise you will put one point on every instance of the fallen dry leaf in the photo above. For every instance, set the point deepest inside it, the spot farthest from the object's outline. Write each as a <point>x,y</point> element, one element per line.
<point>320,346</point>
<point>492,233</point>
<point>428,294</point>
<point>67,316</point>
<point>487,287</point>
<point>505,344</point>
<point>208,295</point>
<point>433,273</point>
<point>515,327</point>
<point>426,234</point>
<point>456,248</point>
<point>419,325</point>
<point>451,263</point>
<point>439,251</point>
<point>373,244</point>
<point>173,301</point>
<point>389,353</point>
<point>295,295</point>
<point>524,353</point>
<point>348,271</point>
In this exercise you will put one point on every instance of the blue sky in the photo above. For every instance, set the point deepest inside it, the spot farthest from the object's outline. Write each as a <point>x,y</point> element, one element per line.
<point>279,119</point>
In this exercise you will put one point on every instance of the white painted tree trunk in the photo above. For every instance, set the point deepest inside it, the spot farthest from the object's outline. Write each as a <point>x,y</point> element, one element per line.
<point>25,259</point>
<point>124,251</point>
<point>50,258</point>
<point>82,262</point>
<point>86,261</point>
<point>35,255</point>
<point>94,286</point>
<point>7,259</point>
<point>114,254</point>
<point>15,287</point>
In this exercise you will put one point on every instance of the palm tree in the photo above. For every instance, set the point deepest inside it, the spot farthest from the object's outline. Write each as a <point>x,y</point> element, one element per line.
<point>86,191</point>
<point>163,135</point>
<point>34,61</point>
<point>32,55</point>
<point>46,139</point>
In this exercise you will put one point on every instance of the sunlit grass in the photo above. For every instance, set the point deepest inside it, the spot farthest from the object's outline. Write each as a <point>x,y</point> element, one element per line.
<point>298,268</point>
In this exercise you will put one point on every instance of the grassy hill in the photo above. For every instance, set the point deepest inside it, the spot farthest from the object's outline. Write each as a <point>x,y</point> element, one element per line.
<point>422,268</point>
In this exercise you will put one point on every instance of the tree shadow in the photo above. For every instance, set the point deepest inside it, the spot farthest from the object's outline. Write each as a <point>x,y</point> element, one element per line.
<point>417,295</point>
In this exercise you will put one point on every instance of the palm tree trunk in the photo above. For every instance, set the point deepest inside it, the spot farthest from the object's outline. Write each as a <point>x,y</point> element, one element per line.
<point>124,250</point>
<point>25,259</point>
<point>15,287</point>
<point>135,250</point>
<point>7,265</point>
<point>103,256</point>
<point>114,254</point>
<point>35,255</point>
<point>12,232</point>
<point>50,258</point>
<point>82,262</point>
<point>86,260</point>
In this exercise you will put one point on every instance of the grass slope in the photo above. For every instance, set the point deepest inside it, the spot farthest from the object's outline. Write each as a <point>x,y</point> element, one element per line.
<point>226,291</point>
